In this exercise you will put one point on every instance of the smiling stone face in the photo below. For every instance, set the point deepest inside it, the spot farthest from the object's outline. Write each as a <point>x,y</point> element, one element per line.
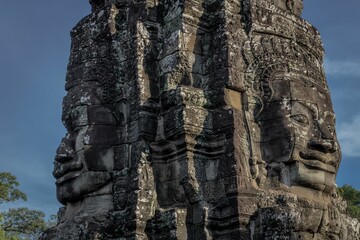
<point>298,139</point>
<point>85,156</point>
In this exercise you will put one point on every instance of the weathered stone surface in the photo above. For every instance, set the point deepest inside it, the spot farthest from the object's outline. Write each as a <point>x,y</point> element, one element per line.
<point>198,120</point>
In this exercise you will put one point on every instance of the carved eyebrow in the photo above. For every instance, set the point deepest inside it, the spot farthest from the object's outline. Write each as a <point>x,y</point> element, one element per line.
<point>314,109</point>
<point>309,105</point>
<point>73,118</point>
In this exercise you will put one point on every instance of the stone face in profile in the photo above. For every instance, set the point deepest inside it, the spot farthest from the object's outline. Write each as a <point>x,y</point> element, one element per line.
<point>198,120</point>
<point>95,116</point>
<point>85,156</point>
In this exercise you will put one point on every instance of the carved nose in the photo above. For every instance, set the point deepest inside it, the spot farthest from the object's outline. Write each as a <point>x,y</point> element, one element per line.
<point>323,145</point>
<point>63,157</point>
<point>57,170</point>
<point>65,151</point>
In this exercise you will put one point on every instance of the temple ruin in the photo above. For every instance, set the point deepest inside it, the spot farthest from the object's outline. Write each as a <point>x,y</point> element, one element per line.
<point>198,119</point>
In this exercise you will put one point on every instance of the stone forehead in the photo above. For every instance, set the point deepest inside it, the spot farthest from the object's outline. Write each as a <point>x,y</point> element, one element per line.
<point>84,94</point>
<point>307,91</point>
<point>89,114</point>
<point>94,93</point>
<point>298,89</point>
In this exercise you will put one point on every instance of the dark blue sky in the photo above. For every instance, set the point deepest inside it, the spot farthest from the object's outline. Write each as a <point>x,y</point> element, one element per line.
<point>34,50</point>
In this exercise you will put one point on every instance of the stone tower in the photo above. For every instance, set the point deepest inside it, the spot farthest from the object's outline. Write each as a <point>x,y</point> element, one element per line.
<point>198,119</point>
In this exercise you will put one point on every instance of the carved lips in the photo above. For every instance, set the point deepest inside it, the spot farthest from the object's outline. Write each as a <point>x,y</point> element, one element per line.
<point>322,154</point>
<point>64,171</point>
<point>317,161</point>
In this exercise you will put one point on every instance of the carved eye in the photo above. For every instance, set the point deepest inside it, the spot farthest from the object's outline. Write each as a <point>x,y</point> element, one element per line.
<point>300,118</point>
<point>68,124</point>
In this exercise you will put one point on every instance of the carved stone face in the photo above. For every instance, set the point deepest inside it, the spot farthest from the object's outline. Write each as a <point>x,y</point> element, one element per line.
<point>85,156</point>
<point>298,139</point>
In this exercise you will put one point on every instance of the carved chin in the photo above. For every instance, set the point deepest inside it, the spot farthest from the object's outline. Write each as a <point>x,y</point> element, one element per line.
<point>75,189</point>
<point>304,176</point>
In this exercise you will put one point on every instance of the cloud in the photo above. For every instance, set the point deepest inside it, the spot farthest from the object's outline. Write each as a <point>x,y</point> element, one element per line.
<point>349,137</point>
<point>336,67</point>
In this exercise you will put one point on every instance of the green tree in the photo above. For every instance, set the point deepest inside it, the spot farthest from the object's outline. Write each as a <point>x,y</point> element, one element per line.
<point>23,223</point>
<point>352,197</point>
<point>8,188</point>
<point>19,223</point>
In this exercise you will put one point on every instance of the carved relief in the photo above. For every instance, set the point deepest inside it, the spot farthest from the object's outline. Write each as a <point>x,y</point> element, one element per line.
<point>290,112</point>
<point>198,120</point>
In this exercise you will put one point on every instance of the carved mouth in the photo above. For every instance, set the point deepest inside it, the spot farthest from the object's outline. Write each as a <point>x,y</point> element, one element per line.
<point>67,177</point>
<point>318,161</point>
<point>65,171</point>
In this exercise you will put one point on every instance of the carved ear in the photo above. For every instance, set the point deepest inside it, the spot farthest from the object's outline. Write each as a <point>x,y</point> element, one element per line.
<point>254,105</point>
<point>258,107</point>
<point>122,112</point>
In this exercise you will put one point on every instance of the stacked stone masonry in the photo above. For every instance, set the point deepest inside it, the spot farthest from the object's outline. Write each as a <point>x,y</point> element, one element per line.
<point>198,119</point>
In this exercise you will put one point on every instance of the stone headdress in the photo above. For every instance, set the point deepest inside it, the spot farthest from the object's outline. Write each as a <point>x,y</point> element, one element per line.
<point>280,42</point>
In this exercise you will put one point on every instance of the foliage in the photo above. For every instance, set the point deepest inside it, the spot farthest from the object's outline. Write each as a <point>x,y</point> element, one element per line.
<point>19,223</point>
<point>23,223</point>
<point>352,197</point>
<point>8,188</point>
